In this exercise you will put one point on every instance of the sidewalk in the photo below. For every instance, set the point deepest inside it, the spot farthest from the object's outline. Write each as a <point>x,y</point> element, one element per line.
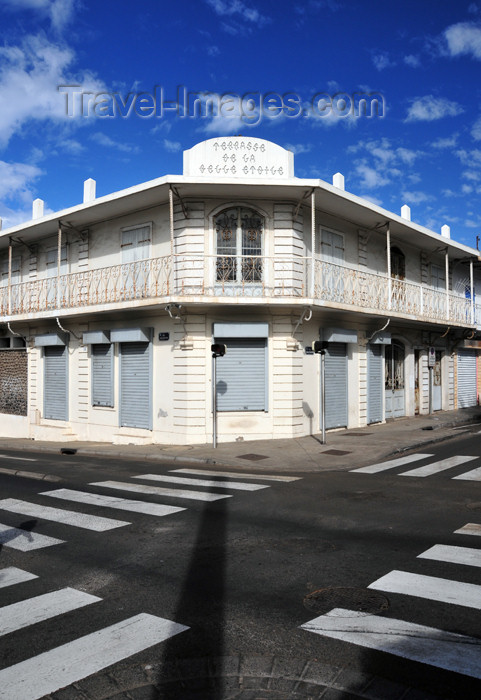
<point>344,449</point>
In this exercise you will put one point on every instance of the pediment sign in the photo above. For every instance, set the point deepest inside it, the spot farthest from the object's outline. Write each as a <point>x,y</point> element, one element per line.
<point>239,157</point>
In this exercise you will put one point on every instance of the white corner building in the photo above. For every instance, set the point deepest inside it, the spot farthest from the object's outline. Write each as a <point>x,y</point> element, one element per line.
<point>109,308</point>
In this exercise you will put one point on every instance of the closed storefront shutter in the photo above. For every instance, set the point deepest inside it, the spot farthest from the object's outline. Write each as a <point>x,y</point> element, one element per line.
<point>55,383</point>
<point>375,384</point>
<point>102,375</point>
<point>336,385</point>
<point>467,395</point>
<point>241,375</point>
<point>135,385</point>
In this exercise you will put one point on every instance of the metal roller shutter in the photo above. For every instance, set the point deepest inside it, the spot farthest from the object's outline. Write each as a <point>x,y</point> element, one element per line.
<point>467,394</point>
<point>336,385</point>
<point>55,382</point>
<point>102,375</point>
<point>135,386</point>
<point>375,384</point>
<point>241,375</point>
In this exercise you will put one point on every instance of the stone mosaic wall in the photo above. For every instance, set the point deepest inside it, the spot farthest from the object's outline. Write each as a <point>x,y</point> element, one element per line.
<point>13,382</point>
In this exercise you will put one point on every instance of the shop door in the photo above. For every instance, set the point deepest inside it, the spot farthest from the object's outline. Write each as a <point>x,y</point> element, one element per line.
<point>394,380</point>
<point>437,387</point>
<point>336,385</point>
<point>374,383</point>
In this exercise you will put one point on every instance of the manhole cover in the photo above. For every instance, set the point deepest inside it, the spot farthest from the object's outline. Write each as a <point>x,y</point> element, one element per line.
<point>354,599</point>
<point>357,434</point>
<point>473,506</point>
<point>336,452</point>
<point>252,457</point>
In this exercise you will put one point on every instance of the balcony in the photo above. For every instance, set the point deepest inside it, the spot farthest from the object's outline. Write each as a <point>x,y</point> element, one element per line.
<point>249,279</point>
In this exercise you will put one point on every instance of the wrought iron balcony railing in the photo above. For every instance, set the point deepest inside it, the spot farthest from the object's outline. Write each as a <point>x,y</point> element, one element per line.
<point>239,276</point>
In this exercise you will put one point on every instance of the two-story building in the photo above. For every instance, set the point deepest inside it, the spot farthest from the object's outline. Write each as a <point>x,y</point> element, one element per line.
<point>109,308</point>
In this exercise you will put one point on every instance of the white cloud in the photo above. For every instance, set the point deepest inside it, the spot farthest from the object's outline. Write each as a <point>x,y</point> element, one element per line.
<point>370,177</point>
<point>415,197</point>
<point>476,130</point>
<point>298,147</point>
<point>16,180</point>
<point>59,12</point>
<point>172,146</point>
<point>29,77</point>
<point>412,61</point>
<point>241,17</point>
<point>104,140</point>
<point>382,61</point>
<point>447,142</point>
<point>430,108</point>
<point>464,39</point>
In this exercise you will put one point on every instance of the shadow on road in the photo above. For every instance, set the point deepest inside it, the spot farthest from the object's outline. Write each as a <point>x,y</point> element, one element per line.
<point>12,533</point>
<point>203,590</point>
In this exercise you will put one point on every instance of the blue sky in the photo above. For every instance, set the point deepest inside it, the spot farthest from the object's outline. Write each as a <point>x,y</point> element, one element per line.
<point>424,58</point>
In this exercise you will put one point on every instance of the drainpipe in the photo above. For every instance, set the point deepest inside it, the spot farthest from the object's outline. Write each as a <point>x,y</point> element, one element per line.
<point>388,252</point>
<point>313,240</point>
<point>59,261</point>
<point>171,217</point>
<point>471,290</point>
<point>446,263</point>
<point>10,277</point>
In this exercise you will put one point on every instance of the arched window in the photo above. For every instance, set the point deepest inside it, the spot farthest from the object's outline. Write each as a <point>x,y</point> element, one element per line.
<point>239,232</point>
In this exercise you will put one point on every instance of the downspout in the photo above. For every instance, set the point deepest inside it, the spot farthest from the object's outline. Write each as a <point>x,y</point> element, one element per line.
<point>368,340</point>
<point>471,290</point>
<point>388,253</point>
<point>10,276</point>
<point>446,263</point>
<point>59,261</point>
<point>171,218</point>
<point>313,240</point>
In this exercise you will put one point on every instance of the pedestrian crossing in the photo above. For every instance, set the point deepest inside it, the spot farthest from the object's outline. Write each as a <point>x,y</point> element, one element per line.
<point>73,661</point>
<point>204,490</point>
<point>430,469</point>
<point>409,640</point>
<point>56,668</point>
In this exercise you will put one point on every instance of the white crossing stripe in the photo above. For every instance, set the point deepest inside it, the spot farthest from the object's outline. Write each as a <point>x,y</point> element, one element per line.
<point>95,499</point>
<point>67,517</point>
<point>240,475</point>
<point>22,459</point>
<point>440,466</point>
<point>69,663</point>
<point>455,592</point>
<point>10,576</point>
<point>160,491</point>
<point>469,529</point>
<point>473,475</point>
<point>428,645</point>
<point>383,466</point>
<point>453,555</point>
<point>234,485</point>
<point>43,607</point>
<point>24,540</point>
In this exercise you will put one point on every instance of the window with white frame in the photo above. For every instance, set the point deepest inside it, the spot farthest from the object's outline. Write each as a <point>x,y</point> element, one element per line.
<point>331,246</point>
<point>16,267</point>
<point>438,277</point>
<point>135,243</point>
<point>239,245</point>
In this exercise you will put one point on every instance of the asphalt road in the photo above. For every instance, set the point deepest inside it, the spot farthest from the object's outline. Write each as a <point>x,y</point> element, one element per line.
<point>243,574</point>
